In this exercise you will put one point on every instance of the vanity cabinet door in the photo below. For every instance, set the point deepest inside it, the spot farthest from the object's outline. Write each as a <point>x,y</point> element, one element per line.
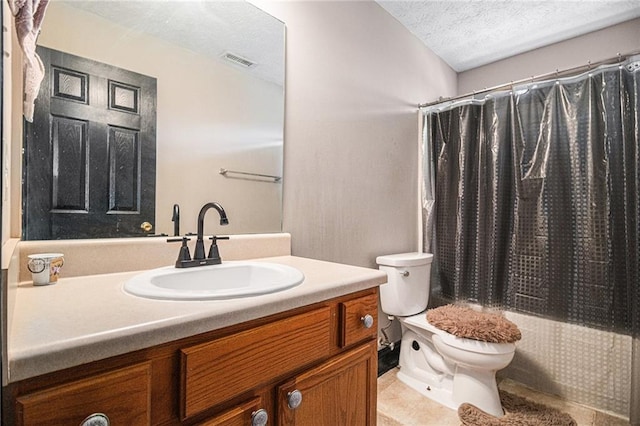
<point>341,391</point>
<point>123,396</point>
<point>250,413</point>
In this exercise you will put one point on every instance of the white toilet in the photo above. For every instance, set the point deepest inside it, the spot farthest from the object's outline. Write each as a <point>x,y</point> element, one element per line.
<point>445,368</point>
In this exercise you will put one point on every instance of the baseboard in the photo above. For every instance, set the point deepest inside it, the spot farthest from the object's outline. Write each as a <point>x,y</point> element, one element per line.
<point>388,358</point>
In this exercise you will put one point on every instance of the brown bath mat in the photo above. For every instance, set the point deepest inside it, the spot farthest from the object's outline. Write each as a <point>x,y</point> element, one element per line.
<point>518,411</point>
<point>465,322</point>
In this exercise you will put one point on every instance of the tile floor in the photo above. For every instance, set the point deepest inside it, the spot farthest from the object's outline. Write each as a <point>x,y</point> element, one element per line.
<point>416,410</point>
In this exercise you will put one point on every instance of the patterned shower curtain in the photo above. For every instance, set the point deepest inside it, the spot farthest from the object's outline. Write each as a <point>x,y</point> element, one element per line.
<point>537,195</point>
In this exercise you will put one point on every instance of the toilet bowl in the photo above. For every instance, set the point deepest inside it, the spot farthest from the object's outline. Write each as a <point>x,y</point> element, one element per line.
<point>445,368</point>
<point>472,365</point>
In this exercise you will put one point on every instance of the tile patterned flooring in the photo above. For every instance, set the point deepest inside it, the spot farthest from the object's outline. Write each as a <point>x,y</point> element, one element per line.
<point>413,409</point>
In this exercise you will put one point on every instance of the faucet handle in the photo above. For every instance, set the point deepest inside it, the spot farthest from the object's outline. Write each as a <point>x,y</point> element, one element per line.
<point>213,250</point>
<point>177,240</point>
<point>184,255</point>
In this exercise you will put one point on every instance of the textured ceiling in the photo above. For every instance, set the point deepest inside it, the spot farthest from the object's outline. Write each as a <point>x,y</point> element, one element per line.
<point>207,27</point>
<point>464,33</point>
<point>470,33</point>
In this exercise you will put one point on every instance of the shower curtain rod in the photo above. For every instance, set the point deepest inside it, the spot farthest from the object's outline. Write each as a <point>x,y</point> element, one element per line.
<point>554,74</point>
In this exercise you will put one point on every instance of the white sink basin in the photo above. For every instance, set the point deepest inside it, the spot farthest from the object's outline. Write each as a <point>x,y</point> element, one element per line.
<point>225,281</point>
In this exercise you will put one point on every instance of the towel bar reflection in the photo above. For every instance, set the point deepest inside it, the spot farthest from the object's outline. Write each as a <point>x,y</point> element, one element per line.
<point>269,178</point>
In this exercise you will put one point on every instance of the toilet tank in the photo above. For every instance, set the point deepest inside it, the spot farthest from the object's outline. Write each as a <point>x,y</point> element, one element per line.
<point>407,289</point>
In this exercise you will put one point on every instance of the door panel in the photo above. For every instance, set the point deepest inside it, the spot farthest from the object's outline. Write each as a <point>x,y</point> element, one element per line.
<point>90,153</point>
<point>341,391</point>
<point>124,170</point>
<point>70,166</point>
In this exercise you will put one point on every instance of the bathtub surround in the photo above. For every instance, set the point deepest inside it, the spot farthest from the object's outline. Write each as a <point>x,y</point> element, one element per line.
<point>581,364</point>
<point>634,415</point>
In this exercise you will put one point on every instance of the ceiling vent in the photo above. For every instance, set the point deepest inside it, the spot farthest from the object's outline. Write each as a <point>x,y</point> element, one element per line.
<point>238,60</point>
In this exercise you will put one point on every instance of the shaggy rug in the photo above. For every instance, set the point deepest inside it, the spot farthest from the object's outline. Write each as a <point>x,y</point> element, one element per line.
<point>518,411</point>
<point>465,322</point>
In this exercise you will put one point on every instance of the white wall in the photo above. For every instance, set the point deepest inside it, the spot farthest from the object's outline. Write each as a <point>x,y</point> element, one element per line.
<point>354,78</point>
<point>596,46</point>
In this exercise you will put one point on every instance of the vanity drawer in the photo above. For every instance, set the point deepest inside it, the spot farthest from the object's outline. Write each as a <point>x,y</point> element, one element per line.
<point>355,316</point>
<point>216,371</point>
<point>124,396</point>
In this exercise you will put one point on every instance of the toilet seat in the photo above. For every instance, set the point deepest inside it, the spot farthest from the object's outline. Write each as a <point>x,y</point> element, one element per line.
<point>471,345</point>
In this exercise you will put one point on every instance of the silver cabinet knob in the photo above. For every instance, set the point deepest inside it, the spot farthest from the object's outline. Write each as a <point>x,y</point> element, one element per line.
<point>259,417</point>
<point>294,399</point>
<point>96,419</point>
<point>367,320</point>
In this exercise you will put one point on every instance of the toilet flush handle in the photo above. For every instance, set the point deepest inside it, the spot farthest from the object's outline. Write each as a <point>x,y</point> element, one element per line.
<point>404,273</point>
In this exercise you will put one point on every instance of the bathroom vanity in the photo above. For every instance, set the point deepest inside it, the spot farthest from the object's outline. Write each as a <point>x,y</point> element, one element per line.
<point>306,355</point>
<point>321,352</point>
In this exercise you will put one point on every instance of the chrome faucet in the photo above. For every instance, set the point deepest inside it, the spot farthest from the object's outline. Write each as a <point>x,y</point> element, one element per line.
<point>199,259</point>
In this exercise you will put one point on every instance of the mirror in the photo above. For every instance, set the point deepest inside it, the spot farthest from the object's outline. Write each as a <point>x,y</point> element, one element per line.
<point>214,112</point>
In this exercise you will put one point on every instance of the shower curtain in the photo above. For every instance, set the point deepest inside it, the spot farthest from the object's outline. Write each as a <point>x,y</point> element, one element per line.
<point>537,196</point>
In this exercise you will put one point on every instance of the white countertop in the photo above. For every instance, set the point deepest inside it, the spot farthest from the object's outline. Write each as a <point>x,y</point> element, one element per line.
<point>83,319</point>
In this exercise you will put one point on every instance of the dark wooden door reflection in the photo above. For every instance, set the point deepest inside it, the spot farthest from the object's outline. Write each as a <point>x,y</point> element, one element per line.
<point>90,153</point>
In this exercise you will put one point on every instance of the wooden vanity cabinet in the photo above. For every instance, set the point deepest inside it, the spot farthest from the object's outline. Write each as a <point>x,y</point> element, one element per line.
<point>315,365</point>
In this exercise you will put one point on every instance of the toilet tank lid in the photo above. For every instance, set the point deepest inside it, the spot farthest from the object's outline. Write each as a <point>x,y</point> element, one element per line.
<point>405,259</point>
